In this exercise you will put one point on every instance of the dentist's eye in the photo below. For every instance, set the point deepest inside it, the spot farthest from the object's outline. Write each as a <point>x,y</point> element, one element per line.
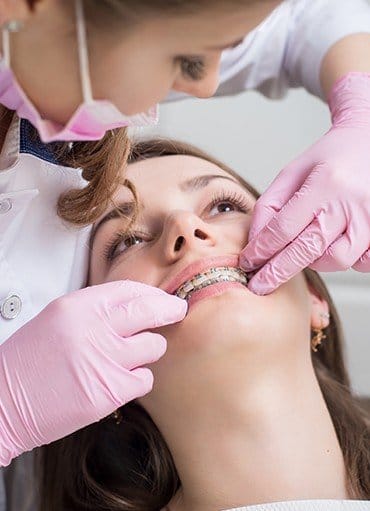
<point>121,243</point>
<point>227,202</point>
<point>192,68</point>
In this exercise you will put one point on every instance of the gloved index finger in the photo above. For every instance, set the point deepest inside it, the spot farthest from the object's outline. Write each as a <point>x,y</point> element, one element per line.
<point>299,254</point>
<point>279,192</point>
<point>147,312</point>
<point>122,291</point>
<point>281,230</point>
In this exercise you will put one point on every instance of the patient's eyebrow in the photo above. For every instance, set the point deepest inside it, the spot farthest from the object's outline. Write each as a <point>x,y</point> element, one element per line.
<point>198,182</point>
<point>123,210</point>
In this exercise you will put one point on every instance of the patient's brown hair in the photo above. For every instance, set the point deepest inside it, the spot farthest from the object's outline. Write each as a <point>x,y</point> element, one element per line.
<point>128,466</point>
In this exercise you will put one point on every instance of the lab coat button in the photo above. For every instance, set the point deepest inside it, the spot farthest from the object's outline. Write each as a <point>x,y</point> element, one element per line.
<point>11,307</point>
<point>5,205</point>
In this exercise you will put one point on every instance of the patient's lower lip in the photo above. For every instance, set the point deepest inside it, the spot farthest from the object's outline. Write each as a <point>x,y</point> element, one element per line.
<point>213,290</point>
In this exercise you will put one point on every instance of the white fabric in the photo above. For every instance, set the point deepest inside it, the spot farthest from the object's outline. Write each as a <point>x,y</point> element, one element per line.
<point>40,257</point>
<point>287,49</point>
<point>305,505</point>
<point>310,505</point>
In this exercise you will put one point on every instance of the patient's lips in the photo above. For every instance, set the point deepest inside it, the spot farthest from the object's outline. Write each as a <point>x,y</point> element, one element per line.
<point>210,277</point>
<point>197,276</point>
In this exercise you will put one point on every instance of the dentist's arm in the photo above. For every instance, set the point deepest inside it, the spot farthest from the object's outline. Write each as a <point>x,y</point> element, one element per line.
<point>78,360</point>
<point>317,211</point>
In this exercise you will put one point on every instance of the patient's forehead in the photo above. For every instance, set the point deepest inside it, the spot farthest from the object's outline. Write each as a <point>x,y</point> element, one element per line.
<point>168,171</point>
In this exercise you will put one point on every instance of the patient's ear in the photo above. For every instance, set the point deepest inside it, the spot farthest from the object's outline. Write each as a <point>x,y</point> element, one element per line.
<point>320,317</point>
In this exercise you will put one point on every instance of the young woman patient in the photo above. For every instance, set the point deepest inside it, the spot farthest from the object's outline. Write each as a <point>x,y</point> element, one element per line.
<point>251,402</point>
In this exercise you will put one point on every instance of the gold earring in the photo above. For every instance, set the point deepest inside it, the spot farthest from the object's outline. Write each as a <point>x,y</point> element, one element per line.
<point>317,338</point>
<point>319,335</point>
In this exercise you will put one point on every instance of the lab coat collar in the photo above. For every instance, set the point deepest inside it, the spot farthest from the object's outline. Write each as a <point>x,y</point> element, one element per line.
<point>22,138</point>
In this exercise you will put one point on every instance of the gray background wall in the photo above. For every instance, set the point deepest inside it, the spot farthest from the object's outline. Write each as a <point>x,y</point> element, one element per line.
<point>258,137</point>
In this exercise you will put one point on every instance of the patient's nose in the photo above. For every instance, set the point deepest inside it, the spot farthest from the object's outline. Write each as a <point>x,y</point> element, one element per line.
<point>186,231</point>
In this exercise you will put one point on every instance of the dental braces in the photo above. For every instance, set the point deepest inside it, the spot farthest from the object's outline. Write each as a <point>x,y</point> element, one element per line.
<point>211,276</point>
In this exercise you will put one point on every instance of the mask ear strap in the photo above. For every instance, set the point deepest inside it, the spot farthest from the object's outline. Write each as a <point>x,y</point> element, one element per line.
<point>83,58</point>
<point>6,46</point>
<point>9,26</point>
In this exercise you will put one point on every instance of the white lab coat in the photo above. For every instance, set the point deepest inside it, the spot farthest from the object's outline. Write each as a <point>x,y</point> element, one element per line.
<point>40,257</point>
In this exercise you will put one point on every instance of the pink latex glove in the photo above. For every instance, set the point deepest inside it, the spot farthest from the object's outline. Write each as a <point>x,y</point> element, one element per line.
<point>317,211</point>
<point>78,360</point>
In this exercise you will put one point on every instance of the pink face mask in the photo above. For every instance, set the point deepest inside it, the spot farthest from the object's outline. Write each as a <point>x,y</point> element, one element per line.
<point>91,119</point>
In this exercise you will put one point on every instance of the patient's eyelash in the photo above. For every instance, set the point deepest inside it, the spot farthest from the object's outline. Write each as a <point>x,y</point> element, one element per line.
<point>109,251</point>
<point>237,199</point>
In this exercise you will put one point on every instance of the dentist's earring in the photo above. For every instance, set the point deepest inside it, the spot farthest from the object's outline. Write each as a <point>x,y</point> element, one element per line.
<point>319,335</point>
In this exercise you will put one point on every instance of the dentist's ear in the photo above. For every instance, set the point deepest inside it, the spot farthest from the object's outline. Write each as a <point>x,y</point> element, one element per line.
<point>14,12</point>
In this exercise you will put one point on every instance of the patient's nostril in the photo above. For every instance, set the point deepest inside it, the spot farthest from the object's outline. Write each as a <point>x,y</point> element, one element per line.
<point>200,234</point>
<point>179,242</point>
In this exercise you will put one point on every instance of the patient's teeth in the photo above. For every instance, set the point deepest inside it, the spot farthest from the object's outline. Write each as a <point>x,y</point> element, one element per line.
<point>188,286</point>
<point>211,276</point>
<point>201,279</point>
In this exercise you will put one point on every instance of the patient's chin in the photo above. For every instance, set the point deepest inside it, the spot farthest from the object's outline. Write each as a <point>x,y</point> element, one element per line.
<point>223,319</point>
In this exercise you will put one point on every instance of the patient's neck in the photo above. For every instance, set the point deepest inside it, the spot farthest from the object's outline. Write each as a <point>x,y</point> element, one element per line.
<point>249,439</point>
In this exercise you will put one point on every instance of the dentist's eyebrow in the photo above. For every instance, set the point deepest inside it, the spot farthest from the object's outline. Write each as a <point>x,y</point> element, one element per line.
<point>234,44</point>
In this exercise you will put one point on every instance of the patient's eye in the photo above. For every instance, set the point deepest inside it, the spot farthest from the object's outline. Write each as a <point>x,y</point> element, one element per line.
<point>224,207</point>
<point>121,243</point>
<point>228,202</point>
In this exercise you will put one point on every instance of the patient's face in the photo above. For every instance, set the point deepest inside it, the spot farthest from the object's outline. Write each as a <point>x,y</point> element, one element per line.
<point>190,210</point>
<point>193,216</point>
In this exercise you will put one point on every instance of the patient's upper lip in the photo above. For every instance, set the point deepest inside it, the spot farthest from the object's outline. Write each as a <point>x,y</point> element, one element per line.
<point>199,266</point>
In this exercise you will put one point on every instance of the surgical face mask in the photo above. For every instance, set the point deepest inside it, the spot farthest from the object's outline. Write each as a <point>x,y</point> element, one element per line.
<point>91,119</point>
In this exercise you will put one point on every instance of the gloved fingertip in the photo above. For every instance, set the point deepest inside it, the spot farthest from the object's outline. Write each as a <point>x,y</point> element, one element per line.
<point>160,344</point>
<point>146,379</point>
<point>173,309</point>
<point>245,263</point>
<point>181,306</point>
<point>259,288</point>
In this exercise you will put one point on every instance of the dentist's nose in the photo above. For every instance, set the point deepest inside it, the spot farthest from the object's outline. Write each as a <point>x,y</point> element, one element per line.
<point>185,231</point>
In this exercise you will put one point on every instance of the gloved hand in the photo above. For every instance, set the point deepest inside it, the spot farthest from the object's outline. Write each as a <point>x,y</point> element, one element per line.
<point>317,211</point>
<point>78,360</point>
